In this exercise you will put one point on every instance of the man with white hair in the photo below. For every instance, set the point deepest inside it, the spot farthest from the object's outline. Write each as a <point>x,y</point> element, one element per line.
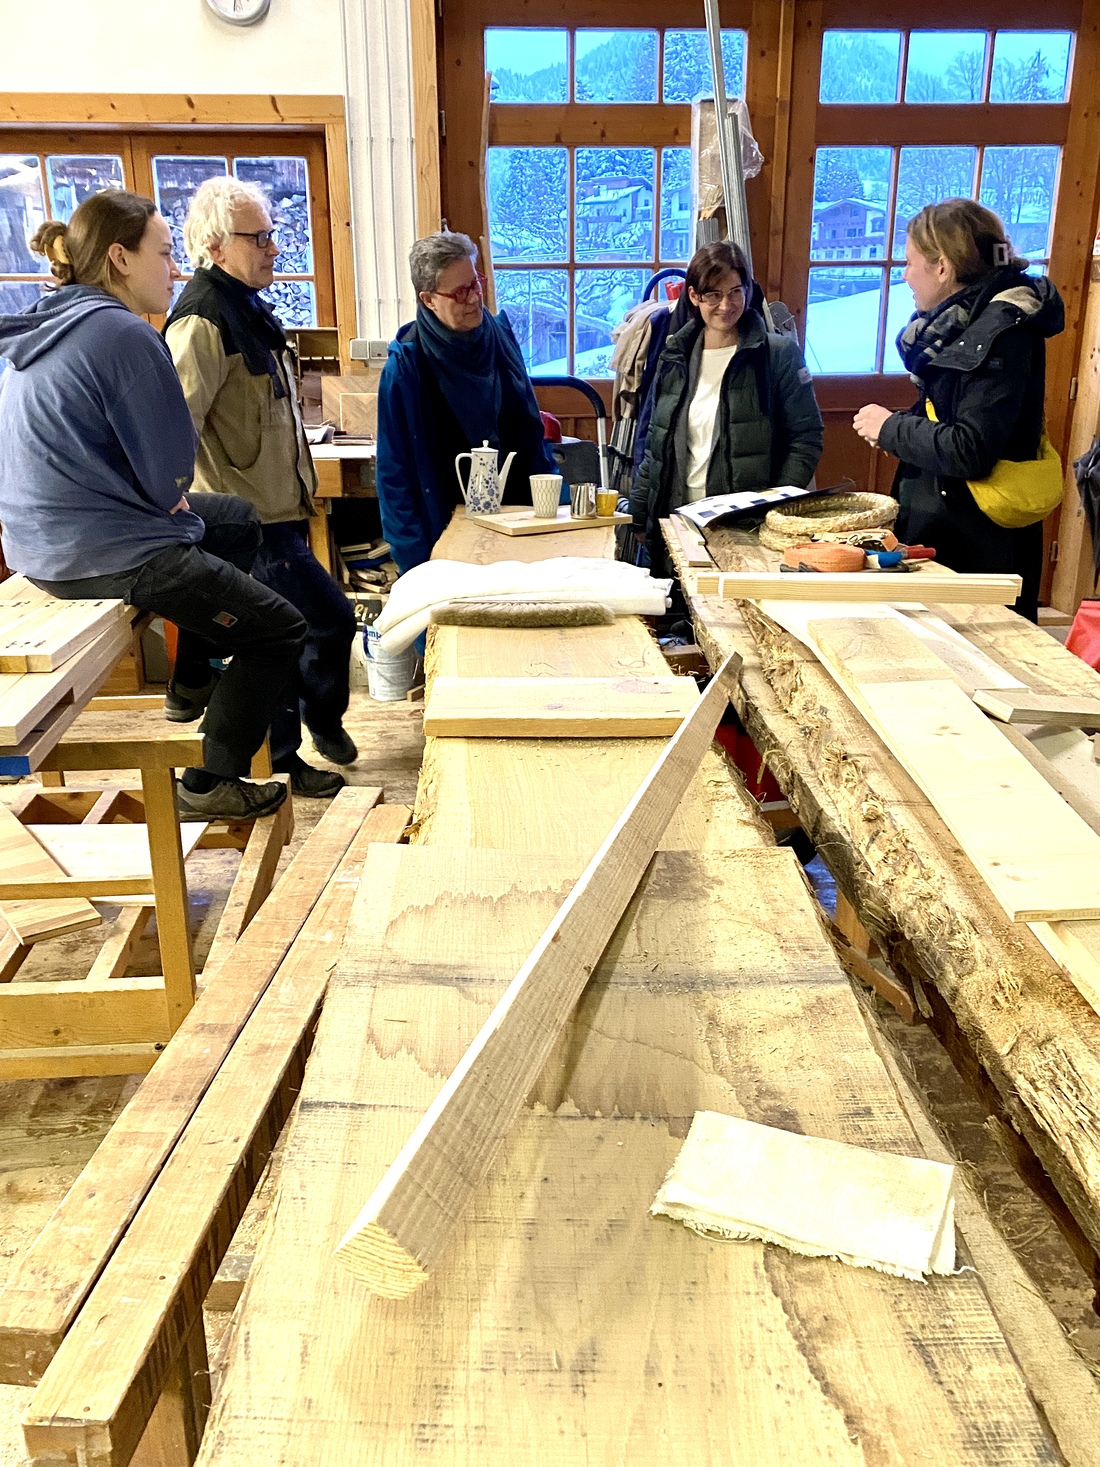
<point>235,365</point>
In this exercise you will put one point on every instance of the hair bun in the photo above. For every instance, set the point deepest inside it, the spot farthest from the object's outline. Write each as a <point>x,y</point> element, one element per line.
<point>49,240</point>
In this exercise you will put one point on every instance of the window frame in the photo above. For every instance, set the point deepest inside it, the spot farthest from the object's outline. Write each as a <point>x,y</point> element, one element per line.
<point>137,147</point>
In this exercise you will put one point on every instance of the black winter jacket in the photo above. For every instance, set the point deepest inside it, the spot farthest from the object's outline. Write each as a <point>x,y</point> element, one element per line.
<point>987,391</point>
<point>769,426</point>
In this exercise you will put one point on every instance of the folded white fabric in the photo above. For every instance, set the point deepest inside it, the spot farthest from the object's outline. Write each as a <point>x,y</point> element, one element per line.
<point>627,589</point>
<point>737,1179</point>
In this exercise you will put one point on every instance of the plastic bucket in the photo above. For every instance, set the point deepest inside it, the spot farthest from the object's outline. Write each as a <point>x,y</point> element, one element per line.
<point>389,674</point>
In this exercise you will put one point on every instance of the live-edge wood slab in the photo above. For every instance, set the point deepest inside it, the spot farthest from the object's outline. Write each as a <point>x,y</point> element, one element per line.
<point>568,1326</point>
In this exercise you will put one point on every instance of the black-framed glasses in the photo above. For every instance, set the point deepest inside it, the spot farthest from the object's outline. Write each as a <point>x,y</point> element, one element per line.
<point>261,238</point>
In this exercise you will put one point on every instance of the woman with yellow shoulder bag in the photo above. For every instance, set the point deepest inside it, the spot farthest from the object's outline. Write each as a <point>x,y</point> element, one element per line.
<point>978,474</point>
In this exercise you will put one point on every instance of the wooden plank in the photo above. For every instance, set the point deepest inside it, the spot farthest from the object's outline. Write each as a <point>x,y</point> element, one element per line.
<point>96,1397</point>
<point>985,791</point>
<point>66,1062</point>
<point>1034,708</point>
<point>252,883</point>
<point>126,741</point>
<point>81,1012</point>
<point>524,522</point>
<point>54,1277</point>
<point>120,938</point>
<point>569,1327</point>
<point>55,633</point>
<point>120,852</point>
<point>927,587</point>
<point>405,1227</point>
<point>544,707</point>
<point>692,543</point>
<point>21,855</point>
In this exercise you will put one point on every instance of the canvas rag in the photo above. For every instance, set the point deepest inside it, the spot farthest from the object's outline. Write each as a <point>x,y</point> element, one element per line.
<point>737,1179</point>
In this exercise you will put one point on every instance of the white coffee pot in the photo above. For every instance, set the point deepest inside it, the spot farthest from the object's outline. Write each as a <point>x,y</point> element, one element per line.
<point>484,490</point>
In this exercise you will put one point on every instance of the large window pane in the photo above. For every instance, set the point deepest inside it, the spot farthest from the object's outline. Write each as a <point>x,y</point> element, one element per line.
<point>860,66</point>
<point>676,220</point>
<point>22,210</point>
<point>687,65</point>
<point>537,302</point>
<point>71,179</point>
<point>899,308</point>
<point>851,188</point>
<point>615,66</point>
<point>293,301</point>
<point>175,183</point>
<point>603,298</point>
<point>926,176</point>
<point>285,181</point>
<point>1018,184</point>
<point>613,204</point>
<point>842,316</point>
<point>945,66</point>
<point>527,65</point>
<point>1030,66</point>
<point>528,203</point>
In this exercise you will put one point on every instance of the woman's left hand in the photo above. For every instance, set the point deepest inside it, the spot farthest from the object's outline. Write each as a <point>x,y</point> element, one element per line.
<point>869,420</point>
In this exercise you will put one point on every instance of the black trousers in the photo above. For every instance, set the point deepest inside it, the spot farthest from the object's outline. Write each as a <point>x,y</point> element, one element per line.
<point>207,591</point>
<point>319,694</point>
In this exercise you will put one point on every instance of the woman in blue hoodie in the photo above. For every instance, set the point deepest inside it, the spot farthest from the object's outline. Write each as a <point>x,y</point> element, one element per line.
<point>97,451</point>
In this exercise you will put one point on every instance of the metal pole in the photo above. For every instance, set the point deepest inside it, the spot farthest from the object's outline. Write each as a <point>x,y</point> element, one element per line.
<point>729,139</point>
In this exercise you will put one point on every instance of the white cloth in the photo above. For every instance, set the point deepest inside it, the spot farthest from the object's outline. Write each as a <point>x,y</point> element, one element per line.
<point>736,1179</point>
<point>627,589</point>
<point>703,416</point>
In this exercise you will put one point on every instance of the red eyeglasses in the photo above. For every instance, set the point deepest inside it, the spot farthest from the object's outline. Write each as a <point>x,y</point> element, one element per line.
<point>464,292</point>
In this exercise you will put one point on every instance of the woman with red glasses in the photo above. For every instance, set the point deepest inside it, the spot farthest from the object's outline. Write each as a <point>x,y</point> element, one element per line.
<point>454,379</point>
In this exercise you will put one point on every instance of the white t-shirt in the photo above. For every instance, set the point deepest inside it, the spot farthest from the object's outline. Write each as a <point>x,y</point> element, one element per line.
<point>703,415</point>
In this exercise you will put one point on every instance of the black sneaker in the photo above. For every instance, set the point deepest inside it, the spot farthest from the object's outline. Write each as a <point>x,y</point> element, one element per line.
<point>337,748</point>
<point>184,705</point>
<point>232,799</point>
<point>314,784</point>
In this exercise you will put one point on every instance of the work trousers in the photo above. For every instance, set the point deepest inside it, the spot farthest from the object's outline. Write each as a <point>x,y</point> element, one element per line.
<point>221,611</point>
<point>319,695</point>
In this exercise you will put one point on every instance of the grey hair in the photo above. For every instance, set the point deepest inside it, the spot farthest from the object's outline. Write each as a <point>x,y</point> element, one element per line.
<point>430,256</point>
<point>210,217</point>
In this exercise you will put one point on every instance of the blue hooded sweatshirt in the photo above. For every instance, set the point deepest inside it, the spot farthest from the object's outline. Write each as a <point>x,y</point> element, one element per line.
<point>96,442</point>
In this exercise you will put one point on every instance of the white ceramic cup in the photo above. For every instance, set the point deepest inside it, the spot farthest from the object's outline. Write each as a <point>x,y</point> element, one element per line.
<point>546,495</point>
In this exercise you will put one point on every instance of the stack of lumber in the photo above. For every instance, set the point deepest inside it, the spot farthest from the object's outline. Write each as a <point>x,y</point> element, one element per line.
<point>1010,1012</point>
<point>566,1324</point>
<point>53,656</point>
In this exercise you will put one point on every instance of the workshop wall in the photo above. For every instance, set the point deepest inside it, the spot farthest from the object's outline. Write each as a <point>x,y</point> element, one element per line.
<point>169,46</point>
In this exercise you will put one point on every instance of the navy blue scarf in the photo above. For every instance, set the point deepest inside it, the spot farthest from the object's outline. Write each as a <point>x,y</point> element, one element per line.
<point>467,365</point>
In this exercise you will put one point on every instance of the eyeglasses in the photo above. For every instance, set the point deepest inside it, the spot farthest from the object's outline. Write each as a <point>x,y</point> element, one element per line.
<point>719,298</point>
<point>464,292</point>
<point>261,238</point>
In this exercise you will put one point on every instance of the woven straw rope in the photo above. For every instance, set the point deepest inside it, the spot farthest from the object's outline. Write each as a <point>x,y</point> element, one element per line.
<point>796,522</point>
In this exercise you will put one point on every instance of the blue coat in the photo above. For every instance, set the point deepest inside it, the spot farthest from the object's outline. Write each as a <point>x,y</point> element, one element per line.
<point>418,440</point>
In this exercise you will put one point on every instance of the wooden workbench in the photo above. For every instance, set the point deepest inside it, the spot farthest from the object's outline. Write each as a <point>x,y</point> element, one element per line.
<point>1015,1024</point>
<point>568,1326</point>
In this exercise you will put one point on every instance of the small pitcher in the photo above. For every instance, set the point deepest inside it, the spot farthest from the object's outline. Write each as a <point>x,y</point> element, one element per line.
<point>485,488</point>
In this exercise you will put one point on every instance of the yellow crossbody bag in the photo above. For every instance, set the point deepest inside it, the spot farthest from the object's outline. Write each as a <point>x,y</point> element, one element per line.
<point>1018,493</point>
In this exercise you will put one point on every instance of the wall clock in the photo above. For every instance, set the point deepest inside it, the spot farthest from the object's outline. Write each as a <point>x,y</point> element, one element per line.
<point>240,12</point>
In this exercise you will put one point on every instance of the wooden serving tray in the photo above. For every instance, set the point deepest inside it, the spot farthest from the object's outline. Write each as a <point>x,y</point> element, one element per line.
<point>523,521</point>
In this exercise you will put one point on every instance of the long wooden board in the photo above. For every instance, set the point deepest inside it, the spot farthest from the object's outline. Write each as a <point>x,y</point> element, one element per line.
<point>51,1281</point>
<point>406,1225</point>
<point>1037,856</point>
<point>98,1394</point>
<point>568,1327</point>
<point>926,587</point>
<point>55,632</point>
<point>526,522</point>
<point>544,707</point>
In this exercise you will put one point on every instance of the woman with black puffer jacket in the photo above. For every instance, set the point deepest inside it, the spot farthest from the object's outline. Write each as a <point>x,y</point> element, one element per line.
<point>733,404</point>
<point>976,349</point>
